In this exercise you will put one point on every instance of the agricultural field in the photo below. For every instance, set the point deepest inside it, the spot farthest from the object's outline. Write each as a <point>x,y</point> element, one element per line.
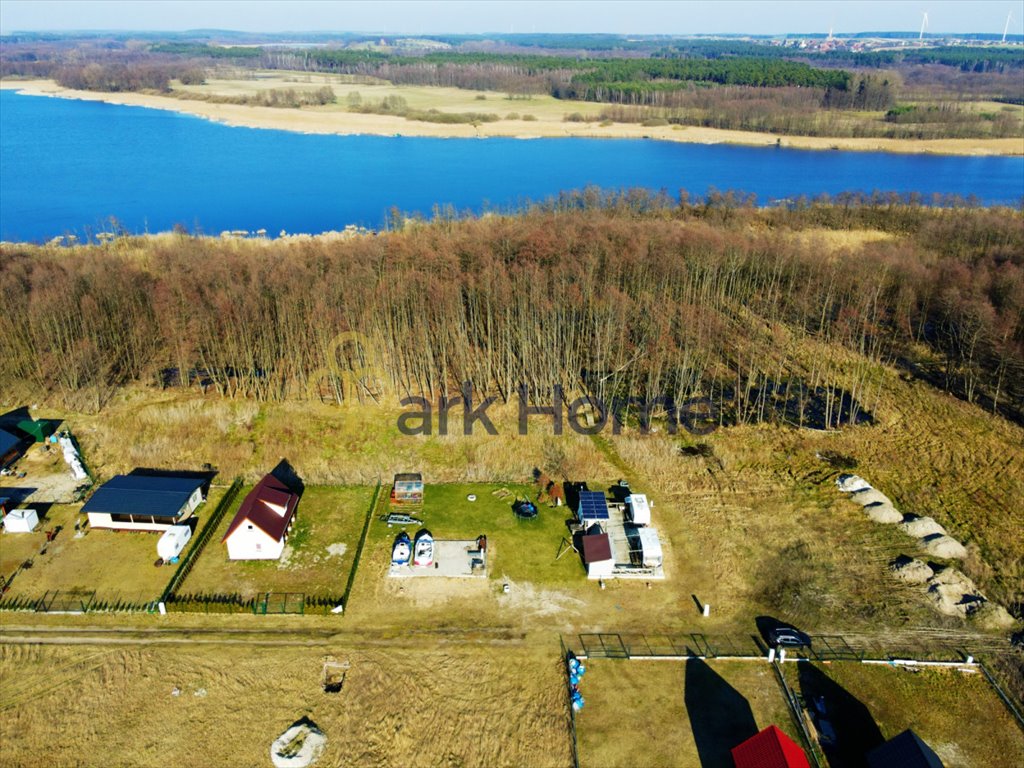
<point>956,713</point>
<point>224,704</point>
<point>662,713</point>
<point>317,559</point>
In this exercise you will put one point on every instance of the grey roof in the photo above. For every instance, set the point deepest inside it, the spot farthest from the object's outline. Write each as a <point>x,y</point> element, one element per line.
<point>593,506</point>
<point>906,750</point>
<point>159,496</point>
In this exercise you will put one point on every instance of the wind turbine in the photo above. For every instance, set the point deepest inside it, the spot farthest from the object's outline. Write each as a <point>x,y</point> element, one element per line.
<point>1007,27</point>
<point>924,25</point>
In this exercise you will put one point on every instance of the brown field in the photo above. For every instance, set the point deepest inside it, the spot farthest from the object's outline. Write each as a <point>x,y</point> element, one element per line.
<point>111,707</point>
<point>674,713</point>
<point>955,713</point>
<point>313,562</point>
<point>333,119</point>
<point>116,565</point>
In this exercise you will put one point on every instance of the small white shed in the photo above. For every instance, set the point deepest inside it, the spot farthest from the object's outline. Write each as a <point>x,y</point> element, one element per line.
<point>598,556</point>
<point>638,509</point>
<point>650,547</point>
<point>173,541</point>
<point>21,521</point>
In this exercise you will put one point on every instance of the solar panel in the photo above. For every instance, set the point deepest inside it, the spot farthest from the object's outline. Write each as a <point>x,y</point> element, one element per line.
<point>593,506</point>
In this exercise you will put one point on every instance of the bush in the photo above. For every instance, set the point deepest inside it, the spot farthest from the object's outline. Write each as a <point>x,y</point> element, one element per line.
<point>653,122</point>
<point>575,117</point>
<point>194,76</point>
<point>481,97</point>
<point>529,118</point>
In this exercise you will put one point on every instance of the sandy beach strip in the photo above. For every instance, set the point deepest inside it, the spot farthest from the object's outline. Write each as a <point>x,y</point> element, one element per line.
<point>342,123</point>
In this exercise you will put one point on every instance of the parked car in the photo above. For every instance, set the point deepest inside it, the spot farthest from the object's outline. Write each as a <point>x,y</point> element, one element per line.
<point>789,636</point>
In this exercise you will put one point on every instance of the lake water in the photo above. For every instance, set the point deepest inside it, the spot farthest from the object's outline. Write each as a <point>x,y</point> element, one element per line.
<point>69,166</point>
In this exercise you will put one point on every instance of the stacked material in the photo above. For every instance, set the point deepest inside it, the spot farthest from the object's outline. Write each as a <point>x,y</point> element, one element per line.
<point>71,457</point>
<point>911,570</point>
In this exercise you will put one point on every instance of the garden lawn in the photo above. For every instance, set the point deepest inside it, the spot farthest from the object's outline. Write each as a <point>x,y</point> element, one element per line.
<point>317,557</point>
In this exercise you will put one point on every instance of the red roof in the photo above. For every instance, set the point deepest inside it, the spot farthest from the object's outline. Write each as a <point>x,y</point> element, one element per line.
<point>263,508</point>
<point>771,748</point>
<point>596,547</point>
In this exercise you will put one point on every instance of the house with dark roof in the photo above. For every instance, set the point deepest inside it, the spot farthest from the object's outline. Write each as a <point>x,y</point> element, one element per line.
<point>597,553</point>
<point>260,528</point>
<point>140,502</point>
<point>771,748</point>
<point>11,447</point>
<point>906,750</point>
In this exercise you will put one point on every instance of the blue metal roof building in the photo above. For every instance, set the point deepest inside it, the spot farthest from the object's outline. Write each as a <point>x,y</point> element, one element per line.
<point>143,502</point>
<point>592,506</point>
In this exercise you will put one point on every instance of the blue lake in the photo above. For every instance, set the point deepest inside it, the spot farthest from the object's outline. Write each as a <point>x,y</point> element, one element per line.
<point>69,166</point>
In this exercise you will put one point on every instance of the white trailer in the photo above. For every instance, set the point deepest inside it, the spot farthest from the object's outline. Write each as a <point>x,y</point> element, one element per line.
<point>638,509</point>
<point>173,541</point>
<point>650,547</point>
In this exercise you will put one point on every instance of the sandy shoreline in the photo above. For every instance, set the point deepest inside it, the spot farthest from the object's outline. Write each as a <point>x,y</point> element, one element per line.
<point>351,124</point>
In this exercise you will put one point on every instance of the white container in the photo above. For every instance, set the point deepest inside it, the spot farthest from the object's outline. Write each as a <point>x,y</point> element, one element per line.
<point>21,521</point>
<point>173,541</point>
<point>639,509</point>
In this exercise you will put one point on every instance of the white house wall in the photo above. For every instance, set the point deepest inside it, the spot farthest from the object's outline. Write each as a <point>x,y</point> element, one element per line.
<point>103,520</point>
<point>243,542</point>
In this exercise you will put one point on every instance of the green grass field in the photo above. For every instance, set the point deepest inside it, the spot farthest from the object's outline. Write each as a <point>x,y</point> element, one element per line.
<point>317,559</point>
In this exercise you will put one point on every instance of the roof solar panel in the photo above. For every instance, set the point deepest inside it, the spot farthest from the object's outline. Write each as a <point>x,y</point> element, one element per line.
<point>593,506</point>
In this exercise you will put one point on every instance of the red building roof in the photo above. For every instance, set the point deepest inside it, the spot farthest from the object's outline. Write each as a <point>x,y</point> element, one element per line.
<point>771,748</point>
<point>263,508</point>
<point>596,548</point>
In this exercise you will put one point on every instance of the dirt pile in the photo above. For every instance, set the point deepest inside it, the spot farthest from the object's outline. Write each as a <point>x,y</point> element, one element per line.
<point>883,512</point>
<point>953,594</point>
<point>869,496</point>
<point>941,545</point>
<point>919,527</point>
<point>911,570</point>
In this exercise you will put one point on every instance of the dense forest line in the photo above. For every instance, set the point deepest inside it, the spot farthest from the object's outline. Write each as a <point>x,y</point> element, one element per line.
<point>604,296</point>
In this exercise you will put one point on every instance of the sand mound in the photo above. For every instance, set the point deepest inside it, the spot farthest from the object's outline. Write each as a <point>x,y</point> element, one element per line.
<point>883,512</point>
<point>993,616</point>
<point>298,747</point>
<point>941,545</point>
<point>953,594</point>
<point>870,496</point>
<point>911,570</point>
<point>919,527</point>
<point>851,483</point>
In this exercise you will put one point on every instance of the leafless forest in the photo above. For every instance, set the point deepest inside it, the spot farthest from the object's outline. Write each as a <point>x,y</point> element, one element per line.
<point>606,297</point>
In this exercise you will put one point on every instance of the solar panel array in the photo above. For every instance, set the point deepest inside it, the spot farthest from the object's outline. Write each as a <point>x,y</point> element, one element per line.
<point>593,506</point>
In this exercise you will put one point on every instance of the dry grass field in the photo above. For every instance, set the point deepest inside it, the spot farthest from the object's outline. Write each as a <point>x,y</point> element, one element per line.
<point>674,713</point>
<point>116,707</point>
<point>317,559</point>
<point>957,714</point>
<point>116,565</point>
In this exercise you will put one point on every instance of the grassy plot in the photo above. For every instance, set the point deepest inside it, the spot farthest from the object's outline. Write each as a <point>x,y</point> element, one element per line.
<point>317,558</point>
<point>117,565</point>
<point>517,549</point>
<point>223,705</point>
<point>956,714</point>
<point>673,713</point>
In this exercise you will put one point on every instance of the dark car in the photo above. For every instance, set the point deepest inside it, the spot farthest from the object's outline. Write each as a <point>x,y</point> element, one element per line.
<point>789,636</point>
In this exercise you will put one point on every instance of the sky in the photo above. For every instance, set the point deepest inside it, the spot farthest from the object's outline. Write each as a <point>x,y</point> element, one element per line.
<point>483,16</point>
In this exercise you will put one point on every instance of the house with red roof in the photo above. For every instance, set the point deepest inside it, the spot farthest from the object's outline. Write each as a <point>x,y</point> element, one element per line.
<point>770,748</point>
<point>260,528</point>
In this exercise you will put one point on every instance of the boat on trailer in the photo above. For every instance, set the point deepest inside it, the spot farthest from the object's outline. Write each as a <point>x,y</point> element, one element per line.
<point>402,549</point>
<point>423,554</point>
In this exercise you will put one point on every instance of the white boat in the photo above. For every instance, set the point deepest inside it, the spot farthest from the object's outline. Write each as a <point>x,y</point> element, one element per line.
<point>402,549</point>
<point>423,553</point>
